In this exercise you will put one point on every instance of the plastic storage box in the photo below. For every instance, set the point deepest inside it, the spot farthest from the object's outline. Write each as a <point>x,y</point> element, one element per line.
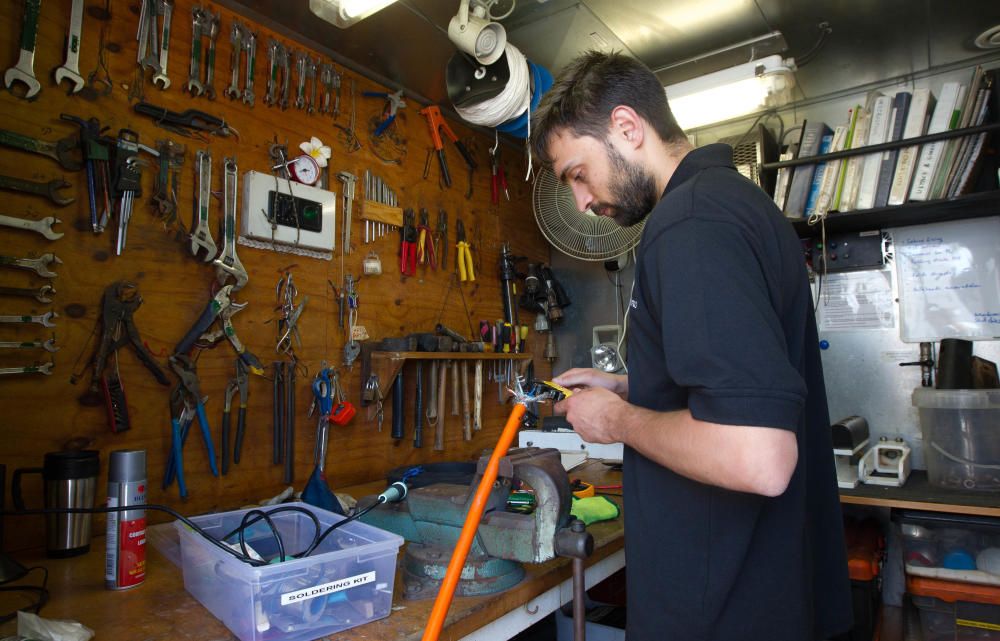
<point>961,432</point>
<point>955,611</point>
<point>346,582</point>
<point>949,546</point>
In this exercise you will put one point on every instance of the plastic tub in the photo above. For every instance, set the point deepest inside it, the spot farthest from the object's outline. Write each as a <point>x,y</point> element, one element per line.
<point>955,611</point>
<point>346,582</point>
<point>961,432</point>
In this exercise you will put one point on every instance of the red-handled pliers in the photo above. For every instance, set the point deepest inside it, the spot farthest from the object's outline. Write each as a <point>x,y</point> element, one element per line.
<point>408,248</point>
<point>499,178</point>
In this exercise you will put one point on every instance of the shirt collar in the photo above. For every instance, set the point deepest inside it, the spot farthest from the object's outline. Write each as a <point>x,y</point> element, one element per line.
<point>714,155</point>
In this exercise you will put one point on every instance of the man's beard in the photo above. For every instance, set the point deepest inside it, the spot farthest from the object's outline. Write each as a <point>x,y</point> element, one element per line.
<point>632,191</point>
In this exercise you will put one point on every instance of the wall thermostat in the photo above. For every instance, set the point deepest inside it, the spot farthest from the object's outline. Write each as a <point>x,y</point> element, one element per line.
<point>290,213</point>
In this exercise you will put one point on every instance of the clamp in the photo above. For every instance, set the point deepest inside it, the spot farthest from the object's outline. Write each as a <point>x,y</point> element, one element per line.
<point>394,102</point>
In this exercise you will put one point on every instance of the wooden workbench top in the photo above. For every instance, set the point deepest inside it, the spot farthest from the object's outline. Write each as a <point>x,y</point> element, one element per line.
<point>161,609</point>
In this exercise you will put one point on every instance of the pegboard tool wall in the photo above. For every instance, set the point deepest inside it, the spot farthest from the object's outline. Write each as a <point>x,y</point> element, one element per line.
<point>45,413</point>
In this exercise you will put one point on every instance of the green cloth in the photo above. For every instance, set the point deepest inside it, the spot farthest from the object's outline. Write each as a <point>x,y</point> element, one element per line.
<point>594,508</point>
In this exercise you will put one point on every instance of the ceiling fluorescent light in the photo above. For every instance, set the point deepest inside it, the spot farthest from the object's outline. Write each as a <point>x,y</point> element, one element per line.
<point>344,13</point>
<point>732,92</point>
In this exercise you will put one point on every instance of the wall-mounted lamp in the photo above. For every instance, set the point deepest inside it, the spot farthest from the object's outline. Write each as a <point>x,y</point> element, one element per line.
<point>732,92</point>
<point>344,13</point>
<point>475,33</point>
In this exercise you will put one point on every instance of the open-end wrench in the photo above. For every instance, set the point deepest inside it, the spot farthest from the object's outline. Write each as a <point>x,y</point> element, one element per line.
<point>212,22</point>
<point>34,369</point>
<point>38,265</point>
<point>43,226</point>
<point>48,346</point>
<point>201,237</point>
<point>45,320</point>
<point>194,86</point>
<point>151,55</point>
<point>228,263</point>
<point>312,68</point>
<point>24,70</point>
<point>236,40</point>
<point>272,72</point>
<point>251,48</point>
<point>285,59</point>
<point>66,151</point>
<point>301,66</point>
<point>49,190</point>
<point>326,79</point>
<point>160,77</point>
<point>70,70</point>
<point>43,294</point>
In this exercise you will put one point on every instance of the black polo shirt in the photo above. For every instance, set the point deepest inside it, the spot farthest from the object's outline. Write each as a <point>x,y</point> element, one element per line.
<point>722,324</point>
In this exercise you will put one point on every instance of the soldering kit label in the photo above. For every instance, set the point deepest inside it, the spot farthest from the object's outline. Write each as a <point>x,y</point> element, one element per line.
<point>298,596</point>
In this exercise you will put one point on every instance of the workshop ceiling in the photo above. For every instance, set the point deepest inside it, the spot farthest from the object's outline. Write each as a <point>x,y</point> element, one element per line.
<point>406,45</point>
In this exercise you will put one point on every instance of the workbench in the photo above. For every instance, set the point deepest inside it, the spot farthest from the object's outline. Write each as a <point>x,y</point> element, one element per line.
<point>161,609</point>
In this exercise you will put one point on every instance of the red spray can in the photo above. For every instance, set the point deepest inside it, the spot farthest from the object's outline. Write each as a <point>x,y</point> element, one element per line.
<point>125,566</point>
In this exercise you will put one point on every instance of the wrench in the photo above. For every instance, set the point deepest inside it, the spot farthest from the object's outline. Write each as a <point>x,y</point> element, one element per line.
<point>35,369</point>
<point>312,67</point>
<point>39,265</point>
<point>49,345</point>
<point>236,40</point>
<point>213,34</point>
<point>194,85</point>
<point>301,66</point>
<point>201,237</point>
<point>71,68</point>
<point>251,46</point>
<point>160,77</point>
<point>285,58</point>
<point>65,151</point>
<point>48,189</point>
<point>45,320</point>
<point>151,53</point>
<point>274,61</point>
<point>24,70</point>
<point>326,79</point>
<point>43,226</point>
<point>228,263</point>
<point>41,294</point>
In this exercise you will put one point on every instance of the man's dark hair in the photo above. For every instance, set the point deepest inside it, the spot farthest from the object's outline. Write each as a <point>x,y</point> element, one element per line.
<point>589,88</point>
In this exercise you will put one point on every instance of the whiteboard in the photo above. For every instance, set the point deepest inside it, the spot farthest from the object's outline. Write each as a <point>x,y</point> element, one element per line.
<point>949,283</point>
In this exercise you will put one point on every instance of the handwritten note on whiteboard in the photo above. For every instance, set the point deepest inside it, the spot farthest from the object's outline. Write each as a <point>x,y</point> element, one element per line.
<point>949,280</point>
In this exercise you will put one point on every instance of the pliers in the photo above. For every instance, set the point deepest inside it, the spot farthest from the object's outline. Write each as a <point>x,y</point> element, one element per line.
<point>227,405</point>
<point>220,307</point>
<point>465,270</point>
<point>425,242</point>
<point>237,384</point>
<point>441,236</point>
<point>499,178</point>
<point>184,367</point>
<point>408,248</point>
<point>395,102</point>
<point>180,422</point>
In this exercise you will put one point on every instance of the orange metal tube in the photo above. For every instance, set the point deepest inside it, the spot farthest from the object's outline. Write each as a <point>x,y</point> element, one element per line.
<point>443,601</point>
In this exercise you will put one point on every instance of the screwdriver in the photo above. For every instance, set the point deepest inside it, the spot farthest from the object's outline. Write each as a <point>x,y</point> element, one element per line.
<point>523,336</point>
<point>486,335</point>
<point>505,337</point>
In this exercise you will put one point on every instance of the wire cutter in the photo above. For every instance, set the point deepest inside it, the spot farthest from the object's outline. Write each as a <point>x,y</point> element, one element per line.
<point>425,242</point>
<point>465,270</point>
<point>394,103</point>
<point>408,249</point>
<point>499,178</point>
<point>184,367</point>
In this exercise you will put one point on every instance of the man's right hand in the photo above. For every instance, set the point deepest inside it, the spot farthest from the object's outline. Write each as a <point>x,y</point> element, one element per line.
<point>586,377</point>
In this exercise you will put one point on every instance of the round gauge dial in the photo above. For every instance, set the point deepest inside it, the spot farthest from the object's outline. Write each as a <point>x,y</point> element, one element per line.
<point>304,169</point>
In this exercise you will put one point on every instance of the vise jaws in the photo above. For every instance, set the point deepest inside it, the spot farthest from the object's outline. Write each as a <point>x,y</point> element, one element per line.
<point>431,518</point>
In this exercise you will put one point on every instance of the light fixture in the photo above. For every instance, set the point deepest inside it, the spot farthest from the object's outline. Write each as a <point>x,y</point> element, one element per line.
<point>732,92</point>
<point>604,353</point>
<point>475,33</point>
<point>344,13</point>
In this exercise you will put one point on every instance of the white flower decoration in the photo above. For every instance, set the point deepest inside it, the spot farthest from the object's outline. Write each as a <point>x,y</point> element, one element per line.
<point>315,148</point>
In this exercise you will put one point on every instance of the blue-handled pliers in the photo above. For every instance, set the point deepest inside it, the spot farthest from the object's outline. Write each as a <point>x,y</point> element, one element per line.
<point>180,422</point>
<point>184,367</point>
<point>395,103</point>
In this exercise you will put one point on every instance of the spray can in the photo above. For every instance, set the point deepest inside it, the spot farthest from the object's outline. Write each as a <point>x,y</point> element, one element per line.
<point>125,565</point>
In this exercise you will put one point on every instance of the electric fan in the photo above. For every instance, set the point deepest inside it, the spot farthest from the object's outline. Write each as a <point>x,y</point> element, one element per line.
<point>582,235</point>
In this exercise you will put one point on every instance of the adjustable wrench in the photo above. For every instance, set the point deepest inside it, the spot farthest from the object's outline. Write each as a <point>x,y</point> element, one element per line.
<point>212,29</point>
<point>48,190</point>
<point>65,151</point>
<point>194,85</point>
<point>236,40</point>
<point>301,64</point>
<point>45,320</point>
<point>70,70</point>
<point>201,237</point>
<point>43,226</point>
<point>160,77</point>
<point>228,263</point>
<point>35,369</point>
<point>48,346</point>
<point>42,294</point>
<point>251,47</point>
<point>24,70</point>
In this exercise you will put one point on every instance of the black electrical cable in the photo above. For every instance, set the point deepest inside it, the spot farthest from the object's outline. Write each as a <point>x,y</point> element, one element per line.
<point>353,517</point>
<point>287,508</point>
<point>274,533</point>
<point>42,590</point>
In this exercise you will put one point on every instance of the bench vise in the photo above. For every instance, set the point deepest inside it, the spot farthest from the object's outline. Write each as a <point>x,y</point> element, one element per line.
<point>431,518</point>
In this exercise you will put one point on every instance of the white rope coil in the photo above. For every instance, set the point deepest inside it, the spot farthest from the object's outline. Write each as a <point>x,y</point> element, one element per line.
<point>513,101</point>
